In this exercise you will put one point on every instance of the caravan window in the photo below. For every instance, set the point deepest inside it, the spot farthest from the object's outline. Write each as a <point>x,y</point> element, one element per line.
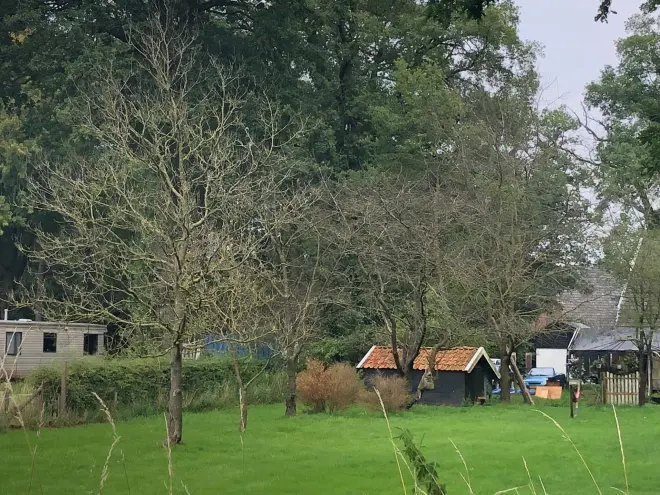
<point>13,341</point>
<point>50,342</point>
<point>91,343</point>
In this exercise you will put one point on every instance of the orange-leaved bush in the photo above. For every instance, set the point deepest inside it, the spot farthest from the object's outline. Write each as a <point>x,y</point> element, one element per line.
<point>332,389</point>
<point>393,391</point>
<point>310,386</point>
<point>342,386</point>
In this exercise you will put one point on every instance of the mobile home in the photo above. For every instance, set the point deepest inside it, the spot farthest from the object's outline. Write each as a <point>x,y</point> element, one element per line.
<point>29,344</point>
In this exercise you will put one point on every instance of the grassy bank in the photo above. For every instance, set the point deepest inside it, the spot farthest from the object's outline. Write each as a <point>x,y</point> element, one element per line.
<point>347,453</point>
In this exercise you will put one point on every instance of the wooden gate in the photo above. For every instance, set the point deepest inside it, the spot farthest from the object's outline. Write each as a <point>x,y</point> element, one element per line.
<point>620,390</point>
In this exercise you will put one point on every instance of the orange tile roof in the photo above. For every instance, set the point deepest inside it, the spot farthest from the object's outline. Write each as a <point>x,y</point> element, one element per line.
<point>456,359</point>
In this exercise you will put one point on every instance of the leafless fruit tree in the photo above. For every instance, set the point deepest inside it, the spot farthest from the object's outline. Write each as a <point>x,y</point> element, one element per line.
<point>160,213</point>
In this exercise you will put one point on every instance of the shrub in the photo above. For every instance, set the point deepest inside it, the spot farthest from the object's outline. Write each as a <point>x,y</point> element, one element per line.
<point>141,386</point>
<point>393,391</point>
<point>329,389</point>
<point>342,387</point>
<point>310,385</point>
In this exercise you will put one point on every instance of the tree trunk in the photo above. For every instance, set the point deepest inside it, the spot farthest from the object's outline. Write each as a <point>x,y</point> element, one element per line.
<point>649,366</point>
<point>242,393</point>
<point>291,372</point>
<point>242,402</point>
<point>175,406</point>
<point>643,375</point>
<point>505,378</point>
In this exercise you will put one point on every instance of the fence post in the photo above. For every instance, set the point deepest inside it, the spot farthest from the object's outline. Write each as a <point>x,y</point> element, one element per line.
<point>63,390</point>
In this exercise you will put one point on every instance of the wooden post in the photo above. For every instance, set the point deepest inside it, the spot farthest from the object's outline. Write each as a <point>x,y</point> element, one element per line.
<point>521,383</point>
<point>63,390</point>
<point>114,402</point>
<point>571,399</point>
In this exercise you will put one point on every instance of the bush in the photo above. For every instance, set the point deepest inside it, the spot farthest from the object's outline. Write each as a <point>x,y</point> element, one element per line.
<point>310,385</point>
<point>332,389</point>
<point>141,386</point>
<point>342,387</point>
<point>393,391</point>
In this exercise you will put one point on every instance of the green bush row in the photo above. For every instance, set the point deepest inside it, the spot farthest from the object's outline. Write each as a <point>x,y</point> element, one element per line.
<point>143,384</point>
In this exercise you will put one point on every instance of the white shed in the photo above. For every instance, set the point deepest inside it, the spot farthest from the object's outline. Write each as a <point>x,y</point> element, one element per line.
<point>29,344</point>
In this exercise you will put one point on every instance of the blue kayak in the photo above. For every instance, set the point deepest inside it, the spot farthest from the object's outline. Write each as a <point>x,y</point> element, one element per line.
<point>497,391</point>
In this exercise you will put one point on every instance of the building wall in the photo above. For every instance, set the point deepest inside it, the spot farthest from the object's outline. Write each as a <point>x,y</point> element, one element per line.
<point>479,382</point>
<point>449,388</point>
<point>70,341</point>
<point>552,358</point>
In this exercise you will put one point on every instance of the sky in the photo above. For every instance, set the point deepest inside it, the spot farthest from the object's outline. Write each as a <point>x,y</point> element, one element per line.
<point>575,47</point>
<point>575,51</point>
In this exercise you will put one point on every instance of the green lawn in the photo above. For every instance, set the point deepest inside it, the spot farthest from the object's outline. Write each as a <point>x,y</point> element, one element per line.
<point>348,453</point>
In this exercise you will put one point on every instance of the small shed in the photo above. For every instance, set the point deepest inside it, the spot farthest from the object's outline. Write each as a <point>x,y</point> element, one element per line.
<point>460,374</point>
<point>29,344</point>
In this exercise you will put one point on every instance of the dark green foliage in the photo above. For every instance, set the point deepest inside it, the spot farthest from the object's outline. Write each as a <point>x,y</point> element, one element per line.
<point>426,473</point>
<point>142,384</point>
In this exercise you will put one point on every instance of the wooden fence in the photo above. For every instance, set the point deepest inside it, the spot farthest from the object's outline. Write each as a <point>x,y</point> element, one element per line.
<point>620,390</point>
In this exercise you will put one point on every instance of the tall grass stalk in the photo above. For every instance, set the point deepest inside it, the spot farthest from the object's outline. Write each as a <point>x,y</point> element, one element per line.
<point>115,440</point>
<point>170,467</point>
<point>396,451</point>
<point>466,478</point>
<point>545,492</point>
<point>574,446</point>
<point>510,490</point>
<point>34,472</point>
<point>623,455</point>
<point>529,476</point>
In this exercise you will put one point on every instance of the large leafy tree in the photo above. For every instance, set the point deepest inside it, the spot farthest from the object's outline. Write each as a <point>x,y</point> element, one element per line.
<point>332,62</point>
<point>628,96</point>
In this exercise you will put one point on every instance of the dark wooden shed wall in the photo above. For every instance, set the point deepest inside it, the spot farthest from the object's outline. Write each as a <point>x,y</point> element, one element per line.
<point>478,383</point>
<point>449,389</point>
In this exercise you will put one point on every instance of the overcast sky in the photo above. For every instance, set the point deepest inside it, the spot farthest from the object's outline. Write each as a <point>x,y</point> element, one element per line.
<point>575,50</point>
<point>575,47</point>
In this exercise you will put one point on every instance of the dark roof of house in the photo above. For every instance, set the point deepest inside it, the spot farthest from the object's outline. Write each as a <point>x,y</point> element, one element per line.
<point>617,339</point>
<point>558,338</point>
<point>456,359</point>
<point>596,305</point>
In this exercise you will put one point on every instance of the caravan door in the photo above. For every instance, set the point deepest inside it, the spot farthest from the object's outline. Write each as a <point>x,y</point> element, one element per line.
<point>552,358</point>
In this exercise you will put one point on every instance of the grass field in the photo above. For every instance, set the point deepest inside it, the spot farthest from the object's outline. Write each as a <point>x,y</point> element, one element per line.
<point>345,454</point>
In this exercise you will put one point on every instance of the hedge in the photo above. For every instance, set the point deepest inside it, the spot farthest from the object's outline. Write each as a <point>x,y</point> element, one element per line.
<point>140,381</point>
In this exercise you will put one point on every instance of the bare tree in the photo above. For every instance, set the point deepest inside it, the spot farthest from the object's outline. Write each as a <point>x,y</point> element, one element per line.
<point>397,229</point>
<point>504,279</point>
<point>296,269</point>
<point>520,219</point>
<point>238,319</point>
<point>160,213</point>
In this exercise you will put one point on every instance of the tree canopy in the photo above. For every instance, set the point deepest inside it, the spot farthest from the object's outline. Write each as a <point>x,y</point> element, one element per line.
<point>320,176</point>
